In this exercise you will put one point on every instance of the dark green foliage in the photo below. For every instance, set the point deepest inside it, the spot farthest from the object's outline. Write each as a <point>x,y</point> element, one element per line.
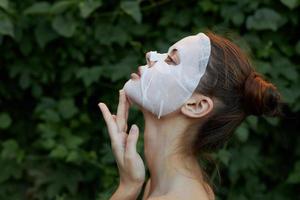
<point>58,59</point>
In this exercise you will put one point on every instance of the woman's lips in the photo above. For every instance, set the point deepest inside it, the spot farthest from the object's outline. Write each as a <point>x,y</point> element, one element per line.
<point>135,76</point>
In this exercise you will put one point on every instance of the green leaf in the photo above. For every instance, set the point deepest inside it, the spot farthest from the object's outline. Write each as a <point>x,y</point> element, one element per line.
<point>50,116</point>
<point>238,18</point>
<point>44,34</point>
<point>233,13</point>
<point>10,147</point>
<point>48,143</point>
<point>73,141</point>
<point>62,6</point>
<point>36,90</point>
<point>132,8</point>
<point>291,4</point>
<point>4,4</point>
<point>208,6</point>
<point>252,121</point>
<point>25,47</point>
<point>89,75</point>
<point>5,120</point>
<point>6,25</point>
<point>283,66</point>
<point>87,7</point>
<point>121,69</point>
<point>64,180</point>
<point>294,176</point>
<point>224,156</point>
<point>298,48</point>
<point>59,152</point>
<point>67,108</point>
<point>6,171</point>
<point>73,157</point>
<point>263,67</point>
<point>38,8</point>
<point>264,19</point>
<point>24,81</point>
<point>64,26</point>
<point>273,121</point>
<point>242,133</point>
<point>12,150</point>
<point>46,130</point>
<point>107,34</point>
<point>9,169</point>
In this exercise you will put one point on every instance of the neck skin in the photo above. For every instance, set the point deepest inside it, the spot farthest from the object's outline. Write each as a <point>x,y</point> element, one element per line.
<point>167,167</point>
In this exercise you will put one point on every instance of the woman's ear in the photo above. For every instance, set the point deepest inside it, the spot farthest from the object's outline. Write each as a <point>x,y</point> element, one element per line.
<point>197,106</point>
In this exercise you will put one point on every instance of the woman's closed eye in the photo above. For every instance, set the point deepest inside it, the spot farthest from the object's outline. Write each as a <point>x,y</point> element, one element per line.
<point>173,58</point>
<point>170,60</point>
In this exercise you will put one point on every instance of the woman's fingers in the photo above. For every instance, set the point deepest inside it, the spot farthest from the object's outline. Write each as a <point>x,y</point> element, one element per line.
<point>127,108</point>
<point>121,112</point>
<point>132,139</point>
<point>116,141</point>
<point>110,121</point>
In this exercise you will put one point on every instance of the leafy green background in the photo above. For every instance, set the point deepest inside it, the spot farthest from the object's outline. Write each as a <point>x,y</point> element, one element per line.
<point>58,59</point>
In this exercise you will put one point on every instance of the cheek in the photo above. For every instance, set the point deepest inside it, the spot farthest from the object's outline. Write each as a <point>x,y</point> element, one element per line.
<point>164,69</point>
<point>159,83</point>
<point>155,82</point>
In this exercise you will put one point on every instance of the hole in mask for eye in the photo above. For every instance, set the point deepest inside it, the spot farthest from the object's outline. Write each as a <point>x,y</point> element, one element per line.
<point>170,57</point>
<point>170,61</point>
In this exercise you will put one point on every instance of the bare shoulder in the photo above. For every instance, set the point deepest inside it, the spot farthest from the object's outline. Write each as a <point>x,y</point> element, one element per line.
<point>163,198</point>
<point>193,192</point>
<point>174,196</point>
<point>146,194</point>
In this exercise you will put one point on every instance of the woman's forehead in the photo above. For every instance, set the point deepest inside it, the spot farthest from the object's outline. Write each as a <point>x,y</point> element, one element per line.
<point>185,42</point>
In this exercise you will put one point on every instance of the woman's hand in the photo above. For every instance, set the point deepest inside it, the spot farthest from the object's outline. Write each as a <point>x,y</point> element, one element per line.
<point>130,164</point>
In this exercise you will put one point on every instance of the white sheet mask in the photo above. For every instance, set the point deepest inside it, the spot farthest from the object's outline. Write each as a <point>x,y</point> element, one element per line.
<point>164,88</point>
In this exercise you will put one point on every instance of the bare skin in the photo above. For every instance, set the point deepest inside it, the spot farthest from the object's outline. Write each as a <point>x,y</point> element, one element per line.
<point>173,175</point>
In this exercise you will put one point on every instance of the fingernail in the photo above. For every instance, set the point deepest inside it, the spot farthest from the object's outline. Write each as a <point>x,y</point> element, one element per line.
<point>100,104</point>
<point>134,128</point>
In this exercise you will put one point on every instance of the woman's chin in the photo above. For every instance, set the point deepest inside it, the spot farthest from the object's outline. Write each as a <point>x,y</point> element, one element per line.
<point>133,94</point>
<point>140,107</point>
<point>134,103</point>
<point>146,113</point>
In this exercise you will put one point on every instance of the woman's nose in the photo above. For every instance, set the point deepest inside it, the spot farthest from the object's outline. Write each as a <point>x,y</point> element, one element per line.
<point>149,62</point>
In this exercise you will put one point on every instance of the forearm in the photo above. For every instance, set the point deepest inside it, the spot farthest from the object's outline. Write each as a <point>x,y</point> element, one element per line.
<point>126,192</point>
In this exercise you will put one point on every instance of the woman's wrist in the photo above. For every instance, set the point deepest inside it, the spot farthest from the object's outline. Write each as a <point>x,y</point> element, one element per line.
<point>127,192</point>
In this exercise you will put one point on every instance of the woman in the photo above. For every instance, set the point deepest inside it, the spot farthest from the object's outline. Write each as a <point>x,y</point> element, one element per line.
<point>192,98</point>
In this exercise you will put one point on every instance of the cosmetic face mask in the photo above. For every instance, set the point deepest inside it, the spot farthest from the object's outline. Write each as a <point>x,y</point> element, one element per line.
<point>164,88</point>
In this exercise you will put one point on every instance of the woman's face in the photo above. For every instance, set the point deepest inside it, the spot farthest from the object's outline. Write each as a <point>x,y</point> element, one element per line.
<point>169,79</point>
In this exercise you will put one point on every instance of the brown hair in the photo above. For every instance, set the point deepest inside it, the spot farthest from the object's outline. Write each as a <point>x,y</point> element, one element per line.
<point>231,79</point>
<point>238,91</point>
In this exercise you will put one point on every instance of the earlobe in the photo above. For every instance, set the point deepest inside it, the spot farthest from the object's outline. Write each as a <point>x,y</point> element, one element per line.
<point>197,106</point>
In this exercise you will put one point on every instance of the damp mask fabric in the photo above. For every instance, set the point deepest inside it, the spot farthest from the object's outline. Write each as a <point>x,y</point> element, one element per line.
<point>164,88</point>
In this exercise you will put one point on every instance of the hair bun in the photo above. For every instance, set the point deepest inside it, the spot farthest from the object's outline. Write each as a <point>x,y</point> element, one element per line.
<point>260,96</point>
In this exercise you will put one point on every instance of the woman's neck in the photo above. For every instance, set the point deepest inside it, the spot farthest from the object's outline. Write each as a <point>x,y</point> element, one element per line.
<point>167,167</point>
